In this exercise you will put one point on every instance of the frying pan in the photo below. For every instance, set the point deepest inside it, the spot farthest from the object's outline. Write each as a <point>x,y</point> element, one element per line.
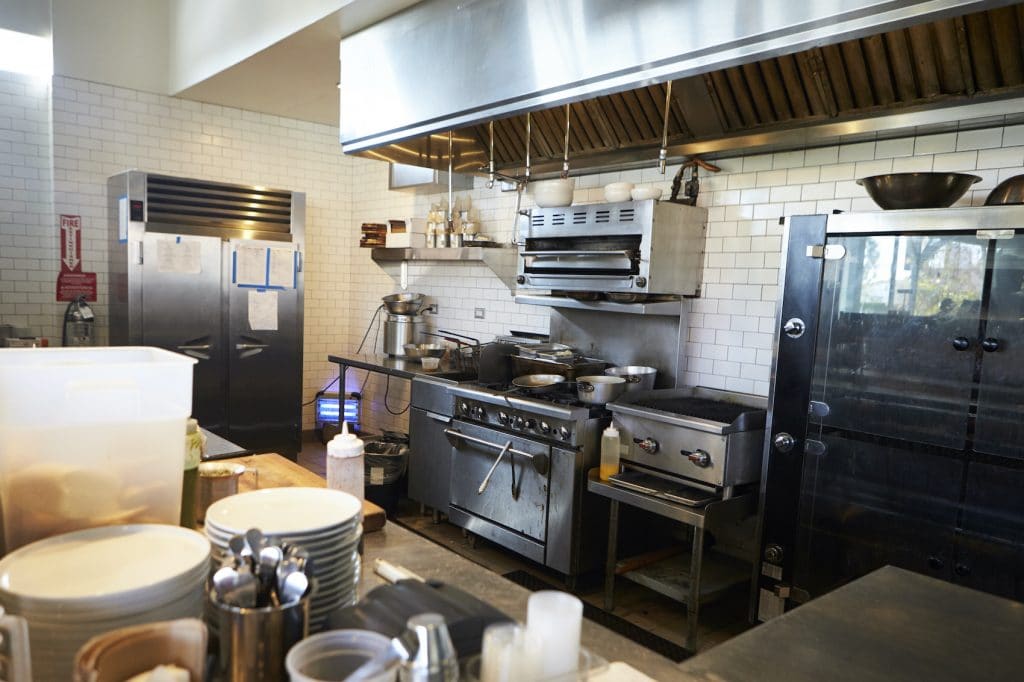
<point>539,383</point>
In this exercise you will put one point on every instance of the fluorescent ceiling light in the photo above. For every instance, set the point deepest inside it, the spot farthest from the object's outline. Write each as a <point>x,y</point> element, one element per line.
<point>25,53</point>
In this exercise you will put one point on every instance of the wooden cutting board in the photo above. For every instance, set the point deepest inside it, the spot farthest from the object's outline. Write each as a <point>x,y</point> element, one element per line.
<point>275,471</point>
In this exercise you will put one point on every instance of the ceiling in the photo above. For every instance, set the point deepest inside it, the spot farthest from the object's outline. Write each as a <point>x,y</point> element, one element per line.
<point>296,77</point>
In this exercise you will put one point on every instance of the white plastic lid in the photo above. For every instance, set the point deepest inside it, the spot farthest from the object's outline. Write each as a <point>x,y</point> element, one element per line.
<point>345,444</point>
<point>611,431</point>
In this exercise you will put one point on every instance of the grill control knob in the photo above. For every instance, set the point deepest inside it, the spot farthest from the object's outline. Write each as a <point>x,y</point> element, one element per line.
<point>518,422</point>
<point>531,424</point>
<point>563,433</point>
<point>648,445</point>
<point>479,412</point>
<point>545,427</point>
<point>503,418</point>
<point>464,407</point>
<point>784,442</point>
<point>698,457</point>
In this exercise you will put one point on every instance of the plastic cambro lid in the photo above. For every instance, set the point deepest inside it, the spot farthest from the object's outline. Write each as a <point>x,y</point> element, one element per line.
<point>345,444</point>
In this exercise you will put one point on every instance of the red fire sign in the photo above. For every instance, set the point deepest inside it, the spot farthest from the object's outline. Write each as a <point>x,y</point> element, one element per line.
<point>72,282</point>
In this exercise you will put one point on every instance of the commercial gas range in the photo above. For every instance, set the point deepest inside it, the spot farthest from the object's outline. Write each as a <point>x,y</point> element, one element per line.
<point>518,474</point>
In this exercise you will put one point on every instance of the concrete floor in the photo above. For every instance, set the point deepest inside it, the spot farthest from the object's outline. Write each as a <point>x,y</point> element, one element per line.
<point>719,620</point>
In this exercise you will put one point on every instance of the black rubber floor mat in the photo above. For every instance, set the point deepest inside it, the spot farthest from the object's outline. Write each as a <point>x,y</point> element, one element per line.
<point>630,631</point>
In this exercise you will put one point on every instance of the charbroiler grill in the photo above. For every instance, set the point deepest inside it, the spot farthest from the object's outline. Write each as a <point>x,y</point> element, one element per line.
<point>689,445</point>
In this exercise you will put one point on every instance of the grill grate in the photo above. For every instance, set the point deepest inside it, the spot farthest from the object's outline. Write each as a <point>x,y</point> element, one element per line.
<point>196,202</point>
<point>702,408</point>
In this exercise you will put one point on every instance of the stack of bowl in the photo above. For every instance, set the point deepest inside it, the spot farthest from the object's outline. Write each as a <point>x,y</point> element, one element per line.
<point>326,523</point>
<point>75,586</point>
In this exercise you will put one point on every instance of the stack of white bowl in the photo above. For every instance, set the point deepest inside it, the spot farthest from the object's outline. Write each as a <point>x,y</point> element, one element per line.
<point>326,523</point>
<point>75,586</point>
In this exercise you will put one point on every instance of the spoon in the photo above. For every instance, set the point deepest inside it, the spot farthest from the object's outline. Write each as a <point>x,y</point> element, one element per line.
<point>400,649</point>
<point>293,588</point>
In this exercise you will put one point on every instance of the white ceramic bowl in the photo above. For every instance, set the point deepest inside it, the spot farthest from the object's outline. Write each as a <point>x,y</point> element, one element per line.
<point>641,193</point>
<point>553,193</point>
<point>617,191</point>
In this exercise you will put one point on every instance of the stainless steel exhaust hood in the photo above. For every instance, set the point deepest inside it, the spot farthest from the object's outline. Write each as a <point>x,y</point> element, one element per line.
<point>741,70</point>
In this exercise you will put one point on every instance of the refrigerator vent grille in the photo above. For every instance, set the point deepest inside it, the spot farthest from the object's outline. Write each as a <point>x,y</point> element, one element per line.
<point>195,202</point>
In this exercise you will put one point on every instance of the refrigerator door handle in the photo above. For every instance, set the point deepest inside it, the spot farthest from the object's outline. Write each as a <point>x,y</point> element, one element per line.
<point>196,350</point>
<point>250,349</point>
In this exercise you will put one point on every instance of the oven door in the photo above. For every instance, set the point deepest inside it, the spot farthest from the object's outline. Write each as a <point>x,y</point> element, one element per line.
<point>516,517</point>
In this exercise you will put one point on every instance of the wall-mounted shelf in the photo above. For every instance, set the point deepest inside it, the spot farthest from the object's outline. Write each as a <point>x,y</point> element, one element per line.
<point>671,308</point>
<point>500,259</point>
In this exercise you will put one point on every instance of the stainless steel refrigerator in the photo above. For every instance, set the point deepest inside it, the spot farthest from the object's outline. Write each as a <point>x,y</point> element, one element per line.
<point>215,271</point>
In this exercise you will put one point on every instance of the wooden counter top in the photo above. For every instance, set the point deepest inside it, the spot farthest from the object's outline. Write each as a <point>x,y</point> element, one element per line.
<point>276,471</point>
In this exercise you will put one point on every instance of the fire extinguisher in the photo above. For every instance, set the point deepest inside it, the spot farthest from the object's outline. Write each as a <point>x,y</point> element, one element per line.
<point>79,324</point>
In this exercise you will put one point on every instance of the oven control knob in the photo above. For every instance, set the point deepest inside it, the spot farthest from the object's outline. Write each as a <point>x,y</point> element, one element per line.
<point>479,412</point>
<point>464,407</point>
<point>564,433</point>
<point>545,427</point>
<point>518,422</point>
<point>698,457</point>
<point>503,418</point>
<point>531,424</point>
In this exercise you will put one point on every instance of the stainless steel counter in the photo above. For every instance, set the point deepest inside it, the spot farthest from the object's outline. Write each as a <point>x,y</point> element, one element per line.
<point>403,368</point>
<point>429,560</point>
<point>889,625</point>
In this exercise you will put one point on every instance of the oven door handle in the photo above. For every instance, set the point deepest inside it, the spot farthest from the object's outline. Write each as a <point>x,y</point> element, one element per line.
<point>490,472</point>
<point>540,461</point>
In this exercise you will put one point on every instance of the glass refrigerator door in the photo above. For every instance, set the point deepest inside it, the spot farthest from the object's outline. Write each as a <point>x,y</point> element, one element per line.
<point>894,370</point>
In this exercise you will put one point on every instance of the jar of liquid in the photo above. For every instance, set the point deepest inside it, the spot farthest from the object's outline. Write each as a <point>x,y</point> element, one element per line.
<point>345,463</point>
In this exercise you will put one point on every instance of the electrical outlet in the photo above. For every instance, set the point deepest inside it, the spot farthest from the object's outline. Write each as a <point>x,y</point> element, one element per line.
<point>478,313</point>
<point>432,308</point>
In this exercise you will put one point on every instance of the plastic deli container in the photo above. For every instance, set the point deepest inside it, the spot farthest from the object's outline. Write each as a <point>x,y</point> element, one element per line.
<point>90,437</point>
<point>334,655</point>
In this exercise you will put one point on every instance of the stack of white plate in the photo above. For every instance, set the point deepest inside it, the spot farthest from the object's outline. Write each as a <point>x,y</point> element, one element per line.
<point>326,523</point>
<point>75,586</point>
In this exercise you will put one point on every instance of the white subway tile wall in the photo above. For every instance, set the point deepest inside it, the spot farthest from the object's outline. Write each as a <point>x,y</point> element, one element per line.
<point>99,131</point>
<point>29,251</point>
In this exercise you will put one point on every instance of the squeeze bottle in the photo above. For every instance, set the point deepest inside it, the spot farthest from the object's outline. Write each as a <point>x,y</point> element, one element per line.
<point>609,452</point>
<point>345,463</point>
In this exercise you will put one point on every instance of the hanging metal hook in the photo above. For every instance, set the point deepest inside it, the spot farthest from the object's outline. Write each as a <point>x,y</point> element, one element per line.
<point>490,163</point>
<point>526,175</point>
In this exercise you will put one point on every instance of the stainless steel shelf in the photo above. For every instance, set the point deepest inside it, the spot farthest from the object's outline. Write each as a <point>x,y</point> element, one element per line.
<point>671,577</point>
<point>500,259</point>
<point>667,308</point>
<point>464,253</point>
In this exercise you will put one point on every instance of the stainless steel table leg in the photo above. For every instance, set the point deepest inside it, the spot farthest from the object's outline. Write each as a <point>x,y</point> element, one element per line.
<point>609,566</point>
<point>693,603</point>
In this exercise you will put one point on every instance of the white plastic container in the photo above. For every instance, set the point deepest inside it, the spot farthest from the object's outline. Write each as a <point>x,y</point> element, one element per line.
<point>90,437</point>
<point>553,624</point>
<point>345,463</point>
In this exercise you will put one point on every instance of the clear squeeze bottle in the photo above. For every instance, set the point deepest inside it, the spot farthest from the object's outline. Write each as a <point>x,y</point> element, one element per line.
<point>609,452</point>
<point>345,463</point>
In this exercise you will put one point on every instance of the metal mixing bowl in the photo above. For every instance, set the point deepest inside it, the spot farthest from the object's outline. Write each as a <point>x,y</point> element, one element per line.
<point>1007,192</point>
<point>917,190</point>
<point>424,350</point>
<point>403,304</point>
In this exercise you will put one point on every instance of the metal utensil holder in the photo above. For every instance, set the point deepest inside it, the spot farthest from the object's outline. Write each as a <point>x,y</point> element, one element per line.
<point>253,642</point>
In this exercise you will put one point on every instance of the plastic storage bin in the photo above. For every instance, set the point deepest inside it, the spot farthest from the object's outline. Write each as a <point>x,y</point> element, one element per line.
<point>90,437</point>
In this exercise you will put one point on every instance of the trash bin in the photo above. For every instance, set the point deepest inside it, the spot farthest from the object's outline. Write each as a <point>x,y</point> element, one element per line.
<point>386,459</point>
